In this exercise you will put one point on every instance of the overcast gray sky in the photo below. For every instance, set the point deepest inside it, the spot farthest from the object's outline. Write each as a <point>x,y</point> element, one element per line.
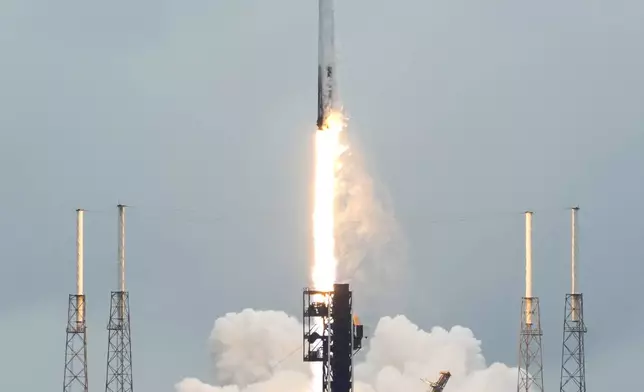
<point>200,115</point>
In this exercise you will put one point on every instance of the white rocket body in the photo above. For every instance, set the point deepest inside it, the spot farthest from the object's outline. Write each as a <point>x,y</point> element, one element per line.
<point>327,89</point>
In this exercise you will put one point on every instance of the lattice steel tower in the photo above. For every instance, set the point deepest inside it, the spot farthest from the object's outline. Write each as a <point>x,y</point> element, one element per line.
<point>119,345</point>
<point>75,378</point>
<point>530,351</point>
<point>573,362</point>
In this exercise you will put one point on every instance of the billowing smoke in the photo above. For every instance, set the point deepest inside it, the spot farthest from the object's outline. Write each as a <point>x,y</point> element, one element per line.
<point>241,352</point>
<point>370,247</point>
<point>261,351</point>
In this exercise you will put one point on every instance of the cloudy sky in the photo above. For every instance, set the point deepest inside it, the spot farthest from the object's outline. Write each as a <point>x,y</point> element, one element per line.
<point>200,115</point>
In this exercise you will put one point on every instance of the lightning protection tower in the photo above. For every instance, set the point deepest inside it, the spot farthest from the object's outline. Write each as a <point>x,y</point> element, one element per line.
<point>530,377</point>
<point>573,362</point>
<point>332,335</point>
<point>75,378</point>
<point>119,345</point>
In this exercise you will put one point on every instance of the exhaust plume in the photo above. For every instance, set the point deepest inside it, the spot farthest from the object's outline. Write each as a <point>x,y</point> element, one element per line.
<point>370,246</point>
<point>260,351</point>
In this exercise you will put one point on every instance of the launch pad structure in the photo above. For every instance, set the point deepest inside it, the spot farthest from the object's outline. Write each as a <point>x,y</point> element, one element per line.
<point>331,335</point>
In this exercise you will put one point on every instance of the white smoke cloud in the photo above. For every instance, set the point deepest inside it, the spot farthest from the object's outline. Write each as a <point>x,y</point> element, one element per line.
<point>246,347</point>
<point>260,351</point>
<point>370,246</point>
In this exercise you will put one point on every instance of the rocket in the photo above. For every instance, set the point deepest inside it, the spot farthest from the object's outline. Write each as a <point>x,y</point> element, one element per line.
<point>326,63</point>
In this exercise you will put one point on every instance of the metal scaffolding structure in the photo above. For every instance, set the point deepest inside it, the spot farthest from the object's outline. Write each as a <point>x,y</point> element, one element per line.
<point>119,346</point>
<point>76,347</point>
<point>530,349</point>
<point>439,385</point>
<point>573,363</point>
<point>331,335</point>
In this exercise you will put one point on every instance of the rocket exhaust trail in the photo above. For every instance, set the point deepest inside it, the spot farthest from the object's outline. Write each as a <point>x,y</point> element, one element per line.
<point>326,64</point>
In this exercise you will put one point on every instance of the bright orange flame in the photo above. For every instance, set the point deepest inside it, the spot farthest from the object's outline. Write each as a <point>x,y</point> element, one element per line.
<point>328,149</point>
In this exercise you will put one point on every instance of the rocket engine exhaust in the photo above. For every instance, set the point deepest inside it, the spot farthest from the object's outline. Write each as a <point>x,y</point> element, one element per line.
<point>326,64</point>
